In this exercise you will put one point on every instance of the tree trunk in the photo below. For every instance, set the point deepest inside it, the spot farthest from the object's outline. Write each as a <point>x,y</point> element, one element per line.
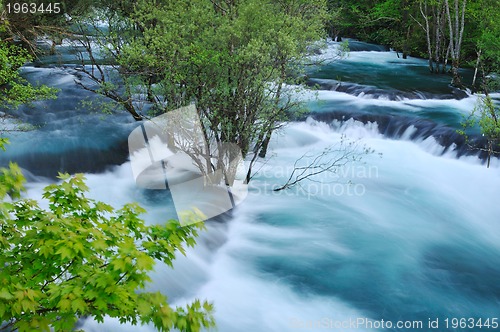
<point>476,68</point>
<point>406,21</point>
<point>428,35</point>
<point>265,143</point>
<point>456,26</point>
<point>445,62</point>
<point>438,36</point>
<point>53,48</point>
<point>405,43</point>
<point>490,151</point>
<point>151,97</point>
<point>456,80</point>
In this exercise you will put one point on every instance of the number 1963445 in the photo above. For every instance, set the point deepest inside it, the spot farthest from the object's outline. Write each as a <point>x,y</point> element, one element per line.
<point>33,8</point>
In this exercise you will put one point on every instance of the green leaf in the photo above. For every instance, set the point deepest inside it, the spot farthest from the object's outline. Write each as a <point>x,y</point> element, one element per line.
<point>78,305</point>
<point>65,252</point>
<point>5,294</point>
<point>64,304</point>
<point>144,262</point>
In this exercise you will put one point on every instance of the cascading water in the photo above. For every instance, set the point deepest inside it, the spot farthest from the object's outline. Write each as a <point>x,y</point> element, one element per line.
<point>410,236</point>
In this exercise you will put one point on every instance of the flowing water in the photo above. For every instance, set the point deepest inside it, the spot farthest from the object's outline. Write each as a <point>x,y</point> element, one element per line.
<point>410,234</point>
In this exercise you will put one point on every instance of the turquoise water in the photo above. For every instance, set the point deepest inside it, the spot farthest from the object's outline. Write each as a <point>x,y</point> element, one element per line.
<point>410,235</point>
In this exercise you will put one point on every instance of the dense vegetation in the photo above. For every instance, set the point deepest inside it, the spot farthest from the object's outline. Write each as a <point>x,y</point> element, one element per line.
<point>221,55</point>
<point>450,33</point>
<point>83,258</point>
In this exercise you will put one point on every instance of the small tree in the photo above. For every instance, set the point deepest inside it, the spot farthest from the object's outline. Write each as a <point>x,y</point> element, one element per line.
<point>234,59</point>
<point>487,116</point>
<point>83,258</point>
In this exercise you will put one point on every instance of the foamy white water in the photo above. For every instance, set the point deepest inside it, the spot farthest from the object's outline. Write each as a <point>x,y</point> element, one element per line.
<point>411,235</point>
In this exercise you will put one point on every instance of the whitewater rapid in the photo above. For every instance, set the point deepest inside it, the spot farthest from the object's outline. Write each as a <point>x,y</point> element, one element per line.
<point>409,233</point>
<point>307,258</point>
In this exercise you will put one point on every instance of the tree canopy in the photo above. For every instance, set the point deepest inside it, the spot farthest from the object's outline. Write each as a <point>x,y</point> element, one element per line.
<point>83,258</point>
<point>231,58</point>
<point>450,33</point>
<point>79,257</point>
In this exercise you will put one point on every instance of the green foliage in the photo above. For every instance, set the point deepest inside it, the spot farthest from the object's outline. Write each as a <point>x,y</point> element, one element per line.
<point>26,28</point>
<point>489,44</point>
<point>14,89</point>
<point>81,258</point>
<point>385,22</point>
<point>489,119</point>
<point>399,23</point>
<point>231,58</point>
<point>486,115</point>
<point>484,31</point>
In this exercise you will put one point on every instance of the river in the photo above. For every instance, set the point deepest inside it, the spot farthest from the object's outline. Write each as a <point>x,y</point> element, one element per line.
<point>409,235</point>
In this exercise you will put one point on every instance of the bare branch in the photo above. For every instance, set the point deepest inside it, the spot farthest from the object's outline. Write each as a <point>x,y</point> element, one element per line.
<point>339,155</point>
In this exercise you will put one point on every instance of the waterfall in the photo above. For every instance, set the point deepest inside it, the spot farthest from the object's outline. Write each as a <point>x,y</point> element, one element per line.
<point>410,235</point>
